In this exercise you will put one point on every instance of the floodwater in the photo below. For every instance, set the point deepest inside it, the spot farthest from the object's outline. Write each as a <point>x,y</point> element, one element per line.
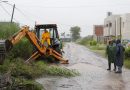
<point>94,75</point>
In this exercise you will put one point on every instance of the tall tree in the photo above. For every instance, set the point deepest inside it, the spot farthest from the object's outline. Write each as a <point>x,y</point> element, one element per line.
<point>75,31</point>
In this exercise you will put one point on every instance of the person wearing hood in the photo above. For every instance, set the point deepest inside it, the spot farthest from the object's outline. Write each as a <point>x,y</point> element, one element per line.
<point>110,52</point>
<point>119,56</point>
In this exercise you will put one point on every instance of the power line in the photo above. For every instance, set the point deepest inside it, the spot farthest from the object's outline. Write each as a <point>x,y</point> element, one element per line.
<point>5,10</point>
<point>16,9</point>
<point>27,17</point>
<point>80,6</point>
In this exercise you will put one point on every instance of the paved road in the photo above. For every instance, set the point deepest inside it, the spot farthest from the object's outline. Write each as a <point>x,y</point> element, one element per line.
<point>94,75</point>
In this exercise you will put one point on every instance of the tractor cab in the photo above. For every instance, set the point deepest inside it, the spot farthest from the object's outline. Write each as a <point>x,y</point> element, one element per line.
<point>51,28</point>
<point>54,36</point>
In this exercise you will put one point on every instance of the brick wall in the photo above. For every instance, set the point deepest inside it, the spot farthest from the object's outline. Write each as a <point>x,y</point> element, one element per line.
<point>98,30</point>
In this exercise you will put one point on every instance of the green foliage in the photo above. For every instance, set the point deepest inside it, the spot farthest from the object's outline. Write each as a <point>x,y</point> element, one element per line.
<point>7,29</point>
<point>93,43</point>
<point>24,74</point>
<point>75,31</point>
<point>127,63</point>
<point>55,70</point>
<point>20,74</point>
<point>17,67</point>
<point>127,52</point>
<point>98,47</point>
<point>25,84</point>
<point>23,50</point>
<point>84,41</point>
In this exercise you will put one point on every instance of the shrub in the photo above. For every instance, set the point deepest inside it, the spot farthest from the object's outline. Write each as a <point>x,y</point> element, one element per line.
<point>93,43</point>
<point>83,41</point>
<point>23,50</point>
<point>127,52</point>
<point>127,63</point>
<point>7,29</point>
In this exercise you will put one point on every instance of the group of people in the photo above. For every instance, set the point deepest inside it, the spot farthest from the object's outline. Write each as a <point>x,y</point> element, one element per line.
<point>115,53</point>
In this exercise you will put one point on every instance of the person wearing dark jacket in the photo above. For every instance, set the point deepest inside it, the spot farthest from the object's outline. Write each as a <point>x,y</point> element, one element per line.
<point>119,56</point>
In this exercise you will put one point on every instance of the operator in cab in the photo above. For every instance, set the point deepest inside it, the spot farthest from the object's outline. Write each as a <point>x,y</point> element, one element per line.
<point>46,38</point>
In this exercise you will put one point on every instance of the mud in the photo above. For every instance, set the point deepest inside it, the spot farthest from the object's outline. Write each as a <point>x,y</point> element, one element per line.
<point>94,75</point>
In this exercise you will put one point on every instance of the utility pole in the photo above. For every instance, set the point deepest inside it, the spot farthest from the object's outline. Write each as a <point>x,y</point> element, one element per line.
<point>12,13</point>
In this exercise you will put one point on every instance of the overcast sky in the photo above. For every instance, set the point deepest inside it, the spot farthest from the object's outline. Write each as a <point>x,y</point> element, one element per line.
<point>65,13</point>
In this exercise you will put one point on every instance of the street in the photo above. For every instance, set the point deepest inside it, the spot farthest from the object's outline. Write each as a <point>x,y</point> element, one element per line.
<point>92,68</point>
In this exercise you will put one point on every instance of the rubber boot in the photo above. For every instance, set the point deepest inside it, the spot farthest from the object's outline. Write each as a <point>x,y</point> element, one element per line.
<point>114,67</point>
<point>109,66</point>
<point>119,70</point>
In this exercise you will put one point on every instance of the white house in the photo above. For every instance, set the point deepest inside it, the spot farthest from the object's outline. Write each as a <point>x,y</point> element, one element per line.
<point>117,26</point>
<point>111,26</point>
<point>125,26</point>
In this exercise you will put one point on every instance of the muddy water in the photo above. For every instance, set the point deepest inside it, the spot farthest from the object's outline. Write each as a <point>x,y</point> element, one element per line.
<point>94,75</point>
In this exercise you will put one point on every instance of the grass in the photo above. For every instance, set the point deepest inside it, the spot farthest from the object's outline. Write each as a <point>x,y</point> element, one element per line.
<point>25,84</point>
<point>127,63</point>
<point>100,52</point>
<point>18,50</point>
<point>25,74</point>
<point>22,73</point>
<point>17,68</point>
<point>7,29</point>
<point>100,49</point>
<point>60,71</point>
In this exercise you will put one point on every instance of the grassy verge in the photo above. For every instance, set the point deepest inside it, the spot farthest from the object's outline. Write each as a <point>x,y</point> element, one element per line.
<point>127,63</point>
<point>100,50</point>
<point>24,74</point>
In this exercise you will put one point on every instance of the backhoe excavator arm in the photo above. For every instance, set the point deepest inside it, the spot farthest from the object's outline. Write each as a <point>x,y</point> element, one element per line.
<point>41,50</point>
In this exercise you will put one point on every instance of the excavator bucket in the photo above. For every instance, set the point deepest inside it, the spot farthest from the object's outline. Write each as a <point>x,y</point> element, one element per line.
<point>5,46</point>
<point>2,51</point>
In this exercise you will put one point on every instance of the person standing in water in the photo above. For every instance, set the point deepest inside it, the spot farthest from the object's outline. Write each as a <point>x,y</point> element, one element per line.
<point>110,52</point>
<point>119,56</point>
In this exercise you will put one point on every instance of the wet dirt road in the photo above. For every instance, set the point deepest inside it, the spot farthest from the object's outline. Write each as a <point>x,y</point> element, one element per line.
<point>94,75</point>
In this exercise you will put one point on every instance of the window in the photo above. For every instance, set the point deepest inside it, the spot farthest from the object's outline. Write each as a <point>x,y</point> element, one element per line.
<point>106,25</point>
<point>51,33</point>
<point>110,24</point>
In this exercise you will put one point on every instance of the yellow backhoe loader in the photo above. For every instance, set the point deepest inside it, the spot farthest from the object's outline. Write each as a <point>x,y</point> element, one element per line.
<point>34,38</point>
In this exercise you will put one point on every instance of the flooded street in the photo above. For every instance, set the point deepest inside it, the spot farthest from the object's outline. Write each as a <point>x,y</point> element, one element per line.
<point>94,75</point>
